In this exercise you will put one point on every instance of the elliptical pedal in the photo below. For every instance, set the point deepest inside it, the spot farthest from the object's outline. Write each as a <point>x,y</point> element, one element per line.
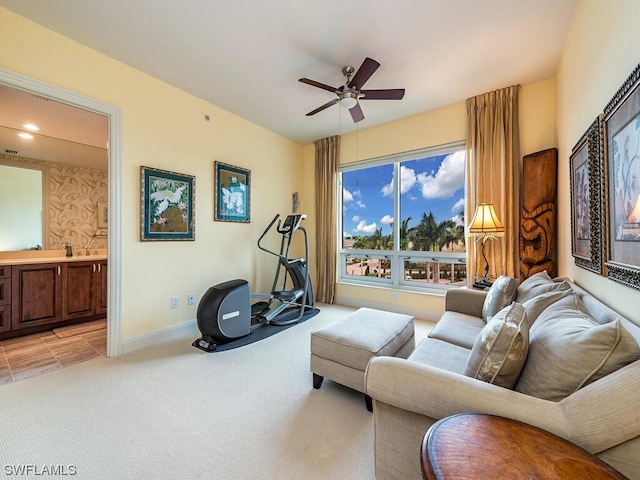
<point>205,343</point>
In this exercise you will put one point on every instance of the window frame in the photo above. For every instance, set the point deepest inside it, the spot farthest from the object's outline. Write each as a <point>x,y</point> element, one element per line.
<point>396,256</point>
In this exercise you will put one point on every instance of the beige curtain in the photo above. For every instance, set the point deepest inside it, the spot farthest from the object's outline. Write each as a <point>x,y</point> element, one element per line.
<point>493,176</point>
<point>327,151</point>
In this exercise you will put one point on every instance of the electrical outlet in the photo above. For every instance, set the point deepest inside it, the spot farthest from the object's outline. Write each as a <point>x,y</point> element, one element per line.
<point>191,299</point>
<point>174,302</point>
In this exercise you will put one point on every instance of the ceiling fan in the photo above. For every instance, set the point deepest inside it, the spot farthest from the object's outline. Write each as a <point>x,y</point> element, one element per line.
<point>349,94</point>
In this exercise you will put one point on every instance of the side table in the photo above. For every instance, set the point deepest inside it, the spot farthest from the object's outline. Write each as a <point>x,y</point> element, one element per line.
<point>477,446</point>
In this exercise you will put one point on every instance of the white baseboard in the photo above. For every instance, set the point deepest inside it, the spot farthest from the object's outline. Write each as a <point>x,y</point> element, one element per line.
<point>159,336</point>
<point>422,314</point>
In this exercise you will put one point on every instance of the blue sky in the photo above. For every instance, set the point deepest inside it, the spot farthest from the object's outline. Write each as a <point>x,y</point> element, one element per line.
<point>433,184</point>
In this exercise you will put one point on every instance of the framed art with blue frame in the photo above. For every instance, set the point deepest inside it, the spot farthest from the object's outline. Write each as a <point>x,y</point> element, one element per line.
<point>622,125</point>
<point>168,205</point>
<point>232,193</point>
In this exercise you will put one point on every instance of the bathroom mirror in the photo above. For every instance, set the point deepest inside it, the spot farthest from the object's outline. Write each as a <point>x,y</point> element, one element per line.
<point>53,172</point>
<point>21,207</point>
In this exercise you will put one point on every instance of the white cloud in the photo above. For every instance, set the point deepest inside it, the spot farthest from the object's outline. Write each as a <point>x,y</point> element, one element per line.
<point>360,204</point>
<point>458,206</point>
<point>407,181</point>
<point>448,179</point>
<point>362,227</point>
<point>457,219</point>
<point>386,220</point>
<point>347,196</point>
<point>356,218</point>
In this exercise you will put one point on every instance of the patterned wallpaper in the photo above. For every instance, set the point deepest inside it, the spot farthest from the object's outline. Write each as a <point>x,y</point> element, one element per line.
<point>74,194</point>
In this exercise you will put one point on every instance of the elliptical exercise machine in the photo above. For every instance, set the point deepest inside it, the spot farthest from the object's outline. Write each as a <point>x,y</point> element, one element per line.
<point>282,306</point>
<point>226,312</point>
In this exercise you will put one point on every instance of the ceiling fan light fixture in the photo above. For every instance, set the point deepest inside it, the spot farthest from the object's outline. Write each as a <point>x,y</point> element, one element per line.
<point>349,100</point>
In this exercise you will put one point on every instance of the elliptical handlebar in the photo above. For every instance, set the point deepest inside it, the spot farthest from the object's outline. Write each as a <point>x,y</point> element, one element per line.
<point>267,231</point>
<point>290,225</point>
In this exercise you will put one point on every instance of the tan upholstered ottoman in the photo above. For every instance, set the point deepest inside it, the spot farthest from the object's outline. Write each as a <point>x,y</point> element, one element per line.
<point>342,350</point>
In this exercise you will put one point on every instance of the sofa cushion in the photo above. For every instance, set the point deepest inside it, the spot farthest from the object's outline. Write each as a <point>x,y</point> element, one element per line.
<point>457,328</point>
<point>439,354</point>
<point>535,285</point>
<point>502,293</point>
<point>568,349</point>
<point>536,305</point>
<point>500,351</point>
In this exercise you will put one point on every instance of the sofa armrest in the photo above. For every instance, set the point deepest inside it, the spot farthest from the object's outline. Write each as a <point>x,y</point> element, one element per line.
<point>465,300</point>
<point>605,413</point>
<point>438,393</point>
<point>596,417</point>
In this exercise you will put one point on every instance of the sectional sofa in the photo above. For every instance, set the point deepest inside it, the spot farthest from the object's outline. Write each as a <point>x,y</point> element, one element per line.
<point>544,352</point>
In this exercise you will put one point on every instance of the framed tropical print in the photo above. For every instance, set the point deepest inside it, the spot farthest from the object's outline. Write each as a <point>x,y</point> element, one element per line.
<point>168,205</point>
<point>587,233</point>
<point>622,126</point>
<point>232,190</point>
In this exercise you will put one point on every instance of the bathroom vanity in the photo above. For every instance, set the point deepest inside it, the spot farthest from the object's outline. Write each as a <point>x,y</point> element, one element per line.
<point>42,293</point>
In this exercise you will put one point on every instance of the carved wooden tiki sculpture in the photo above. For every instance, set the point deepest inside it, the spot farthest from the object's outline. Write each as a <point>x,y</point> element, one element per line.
<point>538,216</point>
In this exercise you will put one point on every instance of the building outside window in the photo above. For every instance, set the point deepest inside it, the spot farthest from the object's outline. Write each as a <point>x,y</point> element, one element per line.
<point>425,248</point>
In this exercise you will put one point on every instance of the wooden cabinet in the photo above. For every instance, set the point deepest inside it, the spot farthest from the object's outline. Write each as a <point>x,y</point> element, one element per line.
<point>5,298</point>
<point>36,294</point>
<point>101,287</point>
<point>84,291</point>
<point>78,290</point>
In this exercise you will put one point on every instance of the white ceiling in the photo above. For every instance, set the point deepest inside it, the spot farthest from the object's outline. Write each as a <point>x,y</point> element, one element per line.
<point>246,56</point>
<point>66,134</point>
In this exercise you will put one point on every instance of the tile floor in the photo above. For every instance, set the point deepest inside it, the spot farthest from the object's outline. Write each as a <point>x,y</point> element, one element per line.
<point>40,353</point>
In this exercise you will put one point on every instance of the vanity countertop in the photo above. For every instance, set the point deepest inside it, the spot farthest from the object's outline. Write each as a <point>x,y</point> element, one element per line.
<point>58,259</point>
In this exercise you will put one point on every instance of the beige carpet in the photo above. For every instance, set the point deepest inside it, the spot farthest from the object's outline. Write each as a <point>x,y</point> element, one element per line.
<point>174,412</point>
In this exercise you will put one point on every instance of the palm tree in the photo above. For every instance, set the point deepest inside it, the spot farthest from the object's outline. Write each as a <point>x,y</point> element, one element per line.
<point>425,234</point>
<point>404,232</point>
<point>376,239</point>
<point>448,234</point>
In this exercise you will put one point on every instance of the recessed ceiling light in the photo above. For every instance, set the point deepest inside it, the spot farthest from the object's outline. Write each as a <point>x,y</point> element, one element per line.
<point>25,135</point>
<point>31,126</point>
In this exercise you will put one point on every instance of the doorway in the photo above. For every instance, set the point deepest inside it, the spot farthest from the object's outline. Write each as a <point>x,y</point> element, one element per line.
<point>54,93</point>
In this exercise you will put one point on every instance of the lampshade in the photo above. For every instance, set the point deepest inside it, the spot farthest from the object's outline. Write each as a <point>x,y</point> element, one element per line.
<point>485,222</point>
<point>348,100</point>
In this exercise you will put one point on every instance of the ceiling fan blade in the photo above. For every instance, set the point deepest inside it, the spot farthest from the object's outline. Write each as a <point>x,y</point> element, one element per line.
<point>364,73</point>
<point>356,113</point>
<point>388,94</point>
<point>323,86</point>
<point>326,105</point>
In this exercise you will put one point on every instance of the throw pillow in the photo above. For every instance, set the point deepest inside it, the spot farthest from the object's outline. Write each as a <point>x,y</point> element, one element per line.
<point>536,305</point>
<point>535,285</point>
<point>568,350</point>
<point>501,294</point>
<point>500,350</point>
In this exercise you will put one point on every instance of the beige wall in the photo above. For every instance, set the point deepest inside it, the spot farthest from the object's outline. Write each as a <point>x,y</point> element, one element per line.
<point>601,50</point>
<point>447,125</point>
<point>164,127</point>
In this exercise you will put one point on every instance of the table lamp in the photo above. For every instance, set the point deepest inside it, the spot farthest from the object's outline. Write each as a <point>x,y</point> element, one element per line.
<point>485,225</point>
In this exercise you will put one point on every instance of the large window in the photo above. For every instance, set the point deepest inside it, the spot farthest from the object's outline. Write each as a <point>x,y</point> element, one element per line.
<point>425,190</point>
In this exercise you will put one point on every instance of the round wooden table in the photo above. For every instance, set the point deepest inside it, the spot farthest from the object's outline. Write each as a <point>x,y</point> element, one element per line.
<point>476,446</point>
